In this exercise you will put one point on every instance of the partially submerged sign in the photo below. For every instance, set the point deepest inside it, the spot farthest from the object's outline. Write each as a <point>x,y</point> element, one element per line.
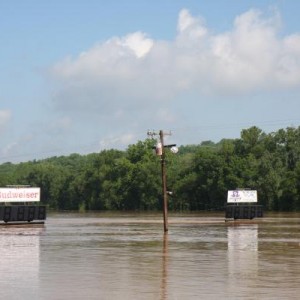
<point>28,194</point>
<point>242,196</point>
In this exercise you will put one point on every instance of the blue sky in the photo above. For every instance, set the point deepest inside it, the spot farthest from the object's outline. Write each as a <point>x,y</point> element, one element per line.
<point>83,76</point>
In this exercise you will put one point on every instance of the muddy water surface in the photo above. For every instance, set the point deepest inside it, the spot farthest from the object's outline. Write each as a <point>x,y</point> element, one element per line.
<point>113,256</point>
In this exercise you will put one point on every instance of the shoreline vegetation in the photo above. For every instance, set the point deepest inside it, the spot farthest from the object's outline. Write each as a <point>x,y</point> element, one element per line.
<point>199,176</point>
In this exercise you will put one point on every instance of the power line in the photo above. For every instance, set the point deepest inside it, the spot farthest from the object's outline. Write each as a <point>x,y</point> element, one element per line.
<point>203,128</point>
<point>223,126</point>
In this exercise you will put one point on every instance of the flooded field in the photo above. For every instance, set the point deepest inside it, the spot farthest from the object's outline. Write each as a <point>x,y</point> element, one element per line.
<point>128,256</point>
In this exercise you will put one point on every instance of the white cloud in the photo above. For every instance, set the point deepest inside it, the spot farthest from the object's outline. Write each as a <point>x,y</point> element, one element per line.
<point>112,58</point>
<point>138,43</point>
<point>132,80</point>
<point>246,58</point>
<point>190,29</point>
<point>131,70</point>
<point>288,71</point>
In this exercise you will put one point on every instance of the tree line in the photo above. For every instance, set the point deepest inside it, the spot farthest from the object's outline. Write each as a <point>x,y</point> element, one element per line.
<point>199,176</point>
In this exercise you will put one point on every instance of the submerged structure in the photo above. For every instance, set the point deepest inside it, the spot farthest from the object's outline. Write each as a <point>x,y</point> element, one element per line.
<point>19,204</point>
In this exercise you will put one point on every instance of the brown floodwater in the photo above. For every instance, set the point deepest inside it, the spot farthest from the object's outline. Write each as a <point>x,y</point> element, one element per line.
<point>128,256</point>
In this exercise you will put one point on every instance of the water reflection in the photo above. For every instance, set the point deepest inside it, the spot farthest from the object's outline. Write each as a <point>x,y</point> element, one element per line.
<point>164,277</point>
<point>242,257</point>
<point>19,260</point>
<point>102,258</point>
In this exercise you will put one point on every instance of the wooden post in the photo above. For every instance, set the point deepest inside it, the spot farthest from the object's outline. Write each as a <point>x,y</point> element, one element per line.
<point>160,151</point>
<point>164,182</point>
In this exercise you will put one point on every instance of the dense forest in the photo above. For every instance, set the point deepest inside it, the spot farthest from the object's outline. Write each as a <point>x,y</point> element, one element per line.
<point>198,175</point>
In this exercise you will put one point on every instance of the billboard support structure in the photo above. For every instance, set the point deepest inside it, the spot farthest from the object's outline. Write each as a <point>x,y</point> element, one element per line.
<point>242,204</point>
<point>18,205</point>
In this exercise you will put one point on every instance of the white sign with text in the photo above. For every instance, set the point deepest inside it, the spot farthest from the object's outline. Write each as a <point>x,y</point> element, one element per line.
<point>240,196</point>
<point>31,194</point>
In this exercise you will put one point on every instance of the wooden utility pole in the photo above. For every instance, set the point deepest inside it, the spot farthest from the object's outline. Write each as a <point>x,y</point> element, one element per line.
<point>164,181</point>
<point>161,153</point>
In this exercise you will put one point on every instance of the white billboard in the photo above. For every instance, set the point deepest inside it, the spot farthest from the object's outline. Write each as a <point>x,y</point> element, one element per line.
<point>30,194</point>
<point>240,196</point>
